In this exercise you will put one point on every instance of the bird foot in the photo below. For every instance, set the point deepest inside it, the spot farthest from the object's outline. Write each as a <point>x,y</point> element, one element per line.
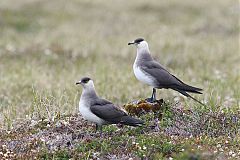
<point>150,100</point>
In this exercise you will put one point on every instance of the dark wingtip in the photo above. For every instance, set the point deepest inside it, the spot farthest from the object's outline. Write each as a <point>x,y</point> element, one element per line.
<point>131,121</point>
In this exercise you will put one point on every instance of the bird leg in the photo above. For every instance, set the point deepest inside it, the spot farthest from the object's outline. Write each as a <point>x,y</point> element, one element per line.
<point>96,128</point>
<point>153,97</point>
<point>100,130</point>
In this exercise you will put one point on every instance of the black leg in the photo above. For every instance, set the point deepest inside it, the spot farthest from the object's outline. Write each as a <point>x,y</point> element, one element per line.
<point>100,130</point>
<point>96,127</point>
<point>153,97</point>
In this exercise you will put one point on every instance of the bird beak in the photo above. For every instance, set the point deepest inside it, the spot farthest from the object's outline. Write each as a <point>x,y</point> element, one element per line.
<point>79,82</point>
<point>130,43</point>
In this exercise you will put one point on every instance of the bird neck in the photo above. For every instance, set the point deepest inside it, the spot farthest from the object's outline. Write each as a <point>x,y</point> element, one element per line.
<point>143,54</point>
<point>89,93</point>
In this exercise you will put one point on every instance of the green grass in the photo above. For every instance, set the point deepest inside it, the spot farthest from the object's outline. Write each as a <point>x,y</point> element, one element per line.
<point>46,46</point>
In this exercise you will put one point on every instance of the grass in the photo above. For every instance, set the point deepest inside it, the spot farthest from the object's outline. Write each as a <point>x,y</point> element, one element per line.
<point>46,46</point>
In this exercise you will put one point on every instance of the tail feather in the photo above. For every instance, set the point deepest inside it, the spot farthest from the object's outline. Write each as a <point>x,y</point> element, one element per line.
<point>188,95</point>
<point>131,121</point>
<point>192,88</point>
<point>187,88</point>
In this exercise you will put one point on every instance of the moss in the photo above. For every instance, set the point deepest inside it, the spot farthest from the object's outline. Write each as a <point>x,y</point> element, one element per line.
<point>143,107</point>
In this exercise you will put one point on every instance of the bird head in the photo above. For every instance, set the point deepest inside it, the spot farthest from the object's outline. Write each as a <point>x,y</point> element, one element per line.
<point>139,43</point>
<point>86,82</point>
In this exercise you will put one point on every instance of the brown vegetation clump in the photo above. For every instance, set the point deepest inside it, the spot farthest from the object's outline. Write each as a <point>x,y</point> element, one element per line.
<point>142,106</point>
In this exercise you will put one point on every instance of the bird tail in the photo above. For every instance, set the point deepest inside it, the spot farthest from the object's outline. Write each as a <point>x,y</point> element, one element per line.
<point>194,89</point>
<point>128,120</point>
<point>187,88</point>
<point>188,95</point>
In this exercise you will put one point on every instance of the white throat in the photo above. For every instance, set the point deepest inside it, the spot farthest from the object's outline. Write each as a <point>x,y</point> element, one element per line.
<point>143,52</point>
<point>88,91</point>
<point>89,86</point>
<point>143,47</point>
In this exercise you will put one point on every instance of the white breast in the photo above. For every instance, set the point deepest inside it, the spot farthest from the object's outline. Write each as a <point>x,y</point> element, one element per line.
<point>141,76</point>
<point>87,114</point>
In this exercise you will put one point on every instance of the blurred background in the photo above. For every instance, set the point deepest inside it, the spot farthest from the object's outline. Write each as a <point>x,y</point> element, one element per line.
<point>46,46</point>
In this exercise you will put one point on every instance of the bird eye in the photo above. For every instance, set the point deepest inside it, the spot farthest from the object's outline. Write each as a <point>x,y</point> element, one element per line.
<point>85,80</point>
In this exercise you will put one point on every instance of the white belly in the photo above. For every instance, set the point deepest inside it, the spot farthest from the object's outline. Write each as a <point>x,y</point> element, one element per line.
<point>88,115</point>
<point>141,76</point>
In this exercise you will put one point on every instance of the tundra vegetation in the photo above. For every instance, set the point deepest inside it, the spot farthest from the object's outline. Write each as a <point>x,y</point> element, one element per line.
<point>46,46</point>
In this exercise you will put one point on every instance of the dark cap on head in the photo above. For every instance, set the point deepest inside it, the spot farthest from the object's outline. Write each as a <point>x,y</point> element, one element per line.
<point>83,80</point>
<point>136,41</point>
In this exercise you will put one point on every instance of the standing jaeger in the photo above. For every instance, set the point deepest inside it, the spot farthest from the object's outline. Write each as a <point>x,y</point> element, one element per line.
<point>150,72</point>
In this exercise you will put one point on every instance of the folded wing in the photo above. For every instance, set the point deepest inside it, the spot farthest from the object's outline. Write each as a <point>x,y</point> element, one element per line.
<point>109,112</point>
<point>164,79</point>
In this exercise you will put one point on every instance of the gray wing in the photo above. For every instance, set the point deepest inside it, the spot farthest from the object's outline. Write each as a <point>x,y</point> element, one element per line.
<point>107,111</point>
<point>163,78</point>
